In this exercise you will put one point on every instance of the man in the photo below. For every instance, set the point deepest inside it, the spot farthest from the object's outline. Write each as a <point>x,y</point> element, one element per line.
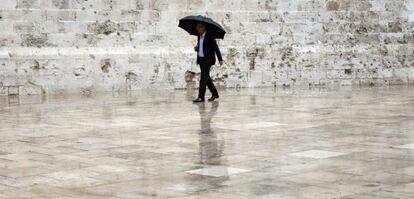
<point>207,50</point>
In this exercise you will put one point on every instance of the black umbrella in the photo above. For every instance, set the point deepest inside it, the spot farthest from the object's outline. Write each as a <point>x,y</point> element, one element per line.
<point>189,24</point>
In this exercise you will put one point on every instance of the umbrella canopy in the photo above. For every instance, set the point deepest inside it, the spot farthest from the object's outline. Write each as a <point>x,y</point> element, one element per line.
<point>189,24</point>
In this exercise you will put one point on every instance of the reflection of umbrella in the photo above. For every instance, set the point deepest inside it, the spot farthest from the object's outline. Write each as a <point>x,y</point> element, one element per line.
<point>189,24</point>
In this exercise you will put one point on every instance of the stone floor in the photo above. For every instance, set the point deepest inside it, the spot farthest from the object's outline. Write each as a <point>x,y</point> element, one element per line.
<point>261,143</point>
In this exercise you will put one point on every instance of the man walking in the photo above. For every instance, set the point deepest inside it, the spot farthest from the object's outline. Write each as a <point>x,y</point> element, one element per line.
<point>207,50</point>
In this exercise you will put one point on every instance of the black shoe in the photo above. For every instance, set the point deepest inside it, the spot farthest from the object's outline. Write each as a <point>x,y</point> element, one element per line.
<point>198,100</point>
<point>213,98</point>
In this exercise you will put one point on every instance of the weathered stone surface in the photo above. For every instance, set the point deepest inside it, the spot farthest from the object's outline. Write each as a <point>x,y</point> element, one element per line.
<point>110,45</point>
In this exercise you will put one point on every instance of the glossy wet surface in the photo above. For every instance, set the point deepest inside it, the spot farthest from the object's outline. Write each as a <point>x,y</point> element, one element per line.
<point>260,143</point>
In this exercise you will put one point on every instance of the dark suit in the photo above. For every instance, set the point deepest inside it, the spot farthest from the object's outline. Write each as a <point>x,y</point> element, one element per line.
<point>210,50</point>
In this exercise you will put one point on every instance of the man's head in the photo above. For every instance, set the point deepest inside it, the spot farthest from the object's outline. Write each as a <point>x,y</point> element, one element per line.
<point>201,28</point>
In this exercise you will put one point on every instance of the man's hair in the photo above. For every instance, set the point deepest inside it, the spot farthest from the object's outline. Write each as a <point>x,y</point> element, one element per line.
<point>201,23</point>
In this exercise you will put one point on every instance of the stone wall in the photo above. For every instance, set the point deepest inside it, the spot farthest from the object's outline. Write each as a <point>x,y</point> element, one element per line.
<point>57,46</point>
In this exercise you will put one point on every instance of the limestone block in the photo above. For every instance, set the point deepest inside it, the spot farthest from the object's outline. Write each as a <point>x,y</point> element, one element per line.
<point>56,4</point>
<point>4,54</point>
<point>34,40</point>
<point>175,5</point>
<point>63,40</point>
<point>60,15</point>
<point>21,15</point>
<point>75,27</point>
<point>33,53</point>
<point>49,27</point>
<point>267,5</point>
<point>3,91</point>
<point>13,90</point>
<point>378,5</point>
<point>24,27</point>
<point>140,40</point>
<point>29,4</point>
<point>411,75</point>
<point>263,39</point>
<point>337,74</point>
<point>411,17</point>
<point>391,62</point>
<point>248,5</point>
<point>255,78</point>
<point>396,6</point>
<point>346,82</point>
<point>385,73</point>
<point>30,89</point>
<point>402,74</point>
<point>123,4</point>
<point>8,4</point>
<point>115,40</point>
<point>91,4</point>
<point>288,5</point>
<point>10,39</point>
<point>6,27</point>
<point>197,5</point>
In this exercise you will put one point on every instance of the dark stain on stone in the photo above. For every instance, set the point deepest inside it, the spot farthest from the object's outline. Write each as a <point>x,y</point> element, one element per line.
<point>107,27</point>
<point>92,56</point>
<point>287,53</point>
<point>394,27</point>
<point>255,52</point>
<point>105,65</point>
<point>91,39</point>
<point>79,72</point>
<point>348,71</point>
<point>231,56</point>
<point>31,40</point>
<point>61,4</point>
<point>362,29</point>
<point>387,40</point>
<point>131,76</point>
<point>156,71</point>
<point>252,63</point>
<point>35,65</point>
<point>252,52</point>
<point>189,76</point>
<point>140,5</point>
<point>332,5</point>
<point>403,40</point>
<point>86,91</point>
<point>167,67</point>
<point>270,5</point>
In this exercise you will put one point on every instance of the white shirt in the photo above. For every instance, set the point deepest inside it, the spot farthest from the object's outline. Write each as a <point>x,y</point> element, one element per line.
<point>201,44</point>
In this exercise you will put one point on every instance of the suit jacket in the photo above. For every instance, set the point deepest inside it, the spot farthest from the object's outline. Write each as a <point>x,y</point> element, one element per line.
<point>210,50</point>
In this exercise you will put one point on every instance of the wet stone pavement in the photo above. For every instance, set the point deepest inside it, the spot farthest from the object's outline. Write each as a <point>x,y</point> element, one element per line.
<point>252,143</point>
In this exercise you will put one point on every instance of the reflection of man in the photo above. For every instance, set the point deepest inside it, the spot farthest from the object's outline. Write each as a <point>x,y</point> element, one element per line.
<point>211,148</point>
<point>207,50</point>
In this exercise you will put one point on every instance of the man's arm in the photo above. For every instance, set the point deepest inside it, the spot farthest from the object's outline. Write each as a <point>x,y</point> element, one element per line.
<point>196,47</point>
<point>217,51</point>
